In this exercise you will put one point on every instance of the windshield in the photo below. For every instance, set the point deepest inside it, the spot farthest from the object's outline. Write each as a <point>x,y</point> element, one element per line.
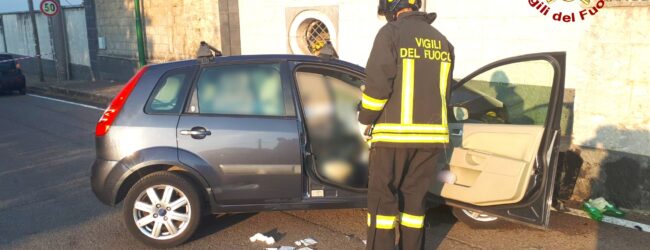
<point>6,65</point>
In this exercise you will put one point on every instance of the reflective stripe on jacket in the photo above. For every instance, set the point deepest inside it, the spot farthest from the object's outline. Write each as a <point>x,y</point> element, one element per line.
<point>407,85</point>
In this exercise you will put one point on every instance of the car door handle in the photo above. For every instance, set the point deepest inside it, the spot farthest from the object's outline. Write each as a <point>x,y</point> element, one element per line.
<point>456,132</point>
<point>193,132</point>
<point>197,132</point>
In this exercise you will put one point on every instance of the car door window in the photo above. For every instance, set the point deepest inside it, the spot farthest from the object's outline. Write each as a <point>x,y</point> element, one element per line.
<point>517,93</point>
<point>169,92</point>
<point>251,89</point>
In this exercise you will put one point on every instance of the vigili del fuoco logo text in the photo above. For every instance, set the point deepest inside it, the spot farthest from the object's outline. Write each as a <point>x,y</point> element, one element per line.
<point>569,11</point>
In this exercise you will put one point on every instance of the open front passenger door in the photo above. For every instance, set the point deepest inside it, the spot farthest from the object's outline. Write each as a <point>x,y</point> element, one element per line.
<point>504,133</point>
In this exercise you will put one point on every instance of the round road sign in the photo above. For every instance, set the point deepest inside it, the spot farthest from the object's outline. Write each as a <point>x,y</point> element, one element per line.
<point>50,7</point>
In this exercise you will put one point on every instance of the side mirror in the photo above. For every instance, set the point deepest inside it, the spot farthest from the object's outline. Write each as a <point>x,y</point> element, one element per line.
<point>461,114</point>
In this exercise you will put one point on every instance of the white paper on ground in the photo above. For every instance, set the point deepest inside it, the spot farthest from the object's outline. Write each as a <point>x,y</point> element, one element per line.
<point>260,237</point>
<point>308,241</point>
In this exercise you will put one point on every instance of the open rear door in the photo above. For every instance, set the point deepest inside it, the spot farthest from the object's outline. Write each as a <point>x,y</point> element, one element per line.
<point>504,132</point>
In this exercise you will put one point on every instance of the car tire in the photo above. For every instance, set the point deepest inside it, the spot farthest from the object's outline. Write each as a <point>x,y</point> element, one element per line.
<point>168,221</point>
<point>22,91</point>
<point>476,220</point>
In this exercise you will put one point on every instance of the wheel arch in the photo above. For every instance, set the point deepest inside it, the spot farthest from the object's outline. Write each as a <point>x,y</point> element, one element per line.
<point>146,169</point>
<point>154,160</point>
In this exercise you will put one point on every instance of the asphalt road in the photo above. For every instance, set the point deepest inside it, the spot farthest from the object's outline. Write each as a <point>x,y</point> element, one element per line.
<point>46,149</point>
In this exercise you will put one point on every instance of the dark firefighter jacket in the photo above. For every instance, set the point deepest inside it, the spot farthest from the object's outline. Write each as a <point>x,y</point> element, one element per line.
<point>407,86</point>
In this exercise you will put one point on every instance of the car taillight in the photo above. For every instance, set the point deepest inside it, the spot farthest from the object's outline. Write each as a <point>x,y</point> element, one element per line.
<point>105,122</point>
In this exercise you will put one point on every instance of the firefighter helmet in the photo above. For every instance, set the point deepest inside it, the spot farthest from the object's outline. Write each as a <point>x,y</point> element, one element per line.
<point>389,8</point>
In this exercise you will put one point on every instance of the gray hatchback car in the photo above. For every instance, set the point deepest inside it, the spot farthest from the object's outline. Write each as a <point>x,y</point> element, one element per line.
<point>278,132</point>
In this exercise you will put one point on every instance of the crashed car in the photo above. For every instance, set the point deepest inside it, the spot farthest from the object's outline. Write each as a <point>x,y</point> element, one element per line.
<point>279,132</point>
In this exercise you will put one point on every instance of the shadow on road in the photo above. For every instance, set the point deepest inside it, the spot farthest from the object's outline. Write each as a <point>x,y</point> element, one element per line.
<point>439,221</point>
<point>211,224</point>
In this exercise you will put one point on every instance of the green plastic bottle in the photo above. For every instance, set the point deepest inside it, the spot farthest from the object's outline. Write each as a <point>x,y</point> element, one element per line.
<point>593,212</point>
<point>606,208</point>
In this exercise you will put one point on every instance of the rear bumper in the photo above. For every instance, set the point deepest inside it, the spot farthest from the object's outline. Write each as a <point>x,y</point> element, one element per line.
<point>12,83</point>
<point>105,178</point>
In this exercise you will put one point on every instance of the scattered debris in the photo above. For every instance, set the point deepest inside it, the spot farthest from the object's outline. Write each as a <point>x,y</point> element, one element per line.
<point>305,248</point>
<point>260,237</point>
<point>286,248</point>
<point>365,242</point>
<point>306,242</point>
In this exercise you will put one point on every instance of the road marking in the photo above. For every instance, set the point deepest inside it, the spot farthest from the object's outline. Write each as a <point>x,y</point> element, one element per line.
<point>68,102</point>
<point>611,220</point>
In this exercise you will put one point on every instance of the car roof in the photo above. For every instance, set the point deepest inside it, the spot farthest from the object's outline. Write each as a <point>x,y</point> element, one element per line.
<point>275,57</point>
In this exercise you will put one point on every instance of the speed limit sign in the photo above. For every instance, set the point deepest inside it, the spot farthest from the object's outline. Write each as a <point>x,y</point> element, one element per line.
<point>50,7</point>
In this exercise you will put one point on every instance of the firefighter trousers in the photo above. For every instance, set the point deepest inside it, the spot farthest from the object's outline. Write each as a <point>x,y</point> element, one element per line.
<point>399,181</point>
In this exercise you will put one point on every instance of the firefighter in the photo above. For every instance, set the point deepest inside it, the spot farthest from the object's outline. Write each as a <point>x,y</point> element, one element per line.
<point>404,105</point>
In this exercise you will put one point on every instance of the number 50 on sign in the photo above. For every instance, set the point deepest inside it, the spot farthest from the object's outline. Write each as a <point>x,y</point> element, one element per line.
<point>50,7</point>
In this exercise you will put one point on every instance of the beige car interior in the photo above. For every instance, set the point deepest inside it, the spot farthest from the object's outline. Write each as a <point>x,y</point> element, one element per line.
<point>492,163</point>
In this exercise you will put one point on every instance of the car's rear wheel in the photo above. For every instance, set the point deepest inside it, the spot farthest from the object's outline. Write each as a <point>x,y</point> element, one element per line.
<point>476,219</point>
<point>162,210</point>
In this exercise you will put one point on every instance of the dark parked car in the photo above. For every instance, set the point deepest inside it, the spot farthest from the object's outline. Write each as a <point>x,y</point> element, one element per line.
<point>279,132</point>
<point>11,77</point>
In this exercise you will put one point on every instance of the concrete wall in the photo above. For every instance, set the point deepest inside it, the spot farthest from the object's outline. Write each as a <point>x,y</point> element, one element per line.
<point>19,35</point>
<point>604,61</point>
<point>19,40</point>
<point>265,25</point>
<point>77,36</point>
<point>2,38</point>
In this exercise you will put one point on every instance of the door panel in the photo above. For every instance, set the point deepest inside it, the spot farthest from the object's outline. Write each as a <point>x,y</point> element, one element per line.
<point>238,123</point>
<point>257,159</point>
<point>503,152</point>
<point>493,163</point>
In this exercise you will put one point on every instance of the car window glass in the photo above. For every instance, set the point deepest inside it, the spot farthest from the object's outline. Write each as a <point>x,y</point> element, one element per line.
<point>241,90</point>
<point>516,93</point>
<point>6,63</point>
<point>168,92</point>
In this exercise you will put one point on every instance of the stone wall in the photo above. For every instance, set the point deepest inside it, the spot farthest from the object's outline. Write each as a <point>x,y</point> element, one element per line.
<point>116,24</point>
<point>173,28</point>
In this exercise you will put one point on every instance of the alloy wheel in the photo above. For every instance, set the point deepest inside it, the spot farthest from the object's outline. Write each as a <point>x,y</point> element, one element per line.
<point>479,216</point>
<point>162,212</point>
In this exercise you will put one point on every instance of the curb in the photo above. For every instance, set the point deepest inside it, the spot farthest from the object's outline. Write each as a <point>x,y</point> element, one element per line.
<point>611,220</point>
<point>71,95</point>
